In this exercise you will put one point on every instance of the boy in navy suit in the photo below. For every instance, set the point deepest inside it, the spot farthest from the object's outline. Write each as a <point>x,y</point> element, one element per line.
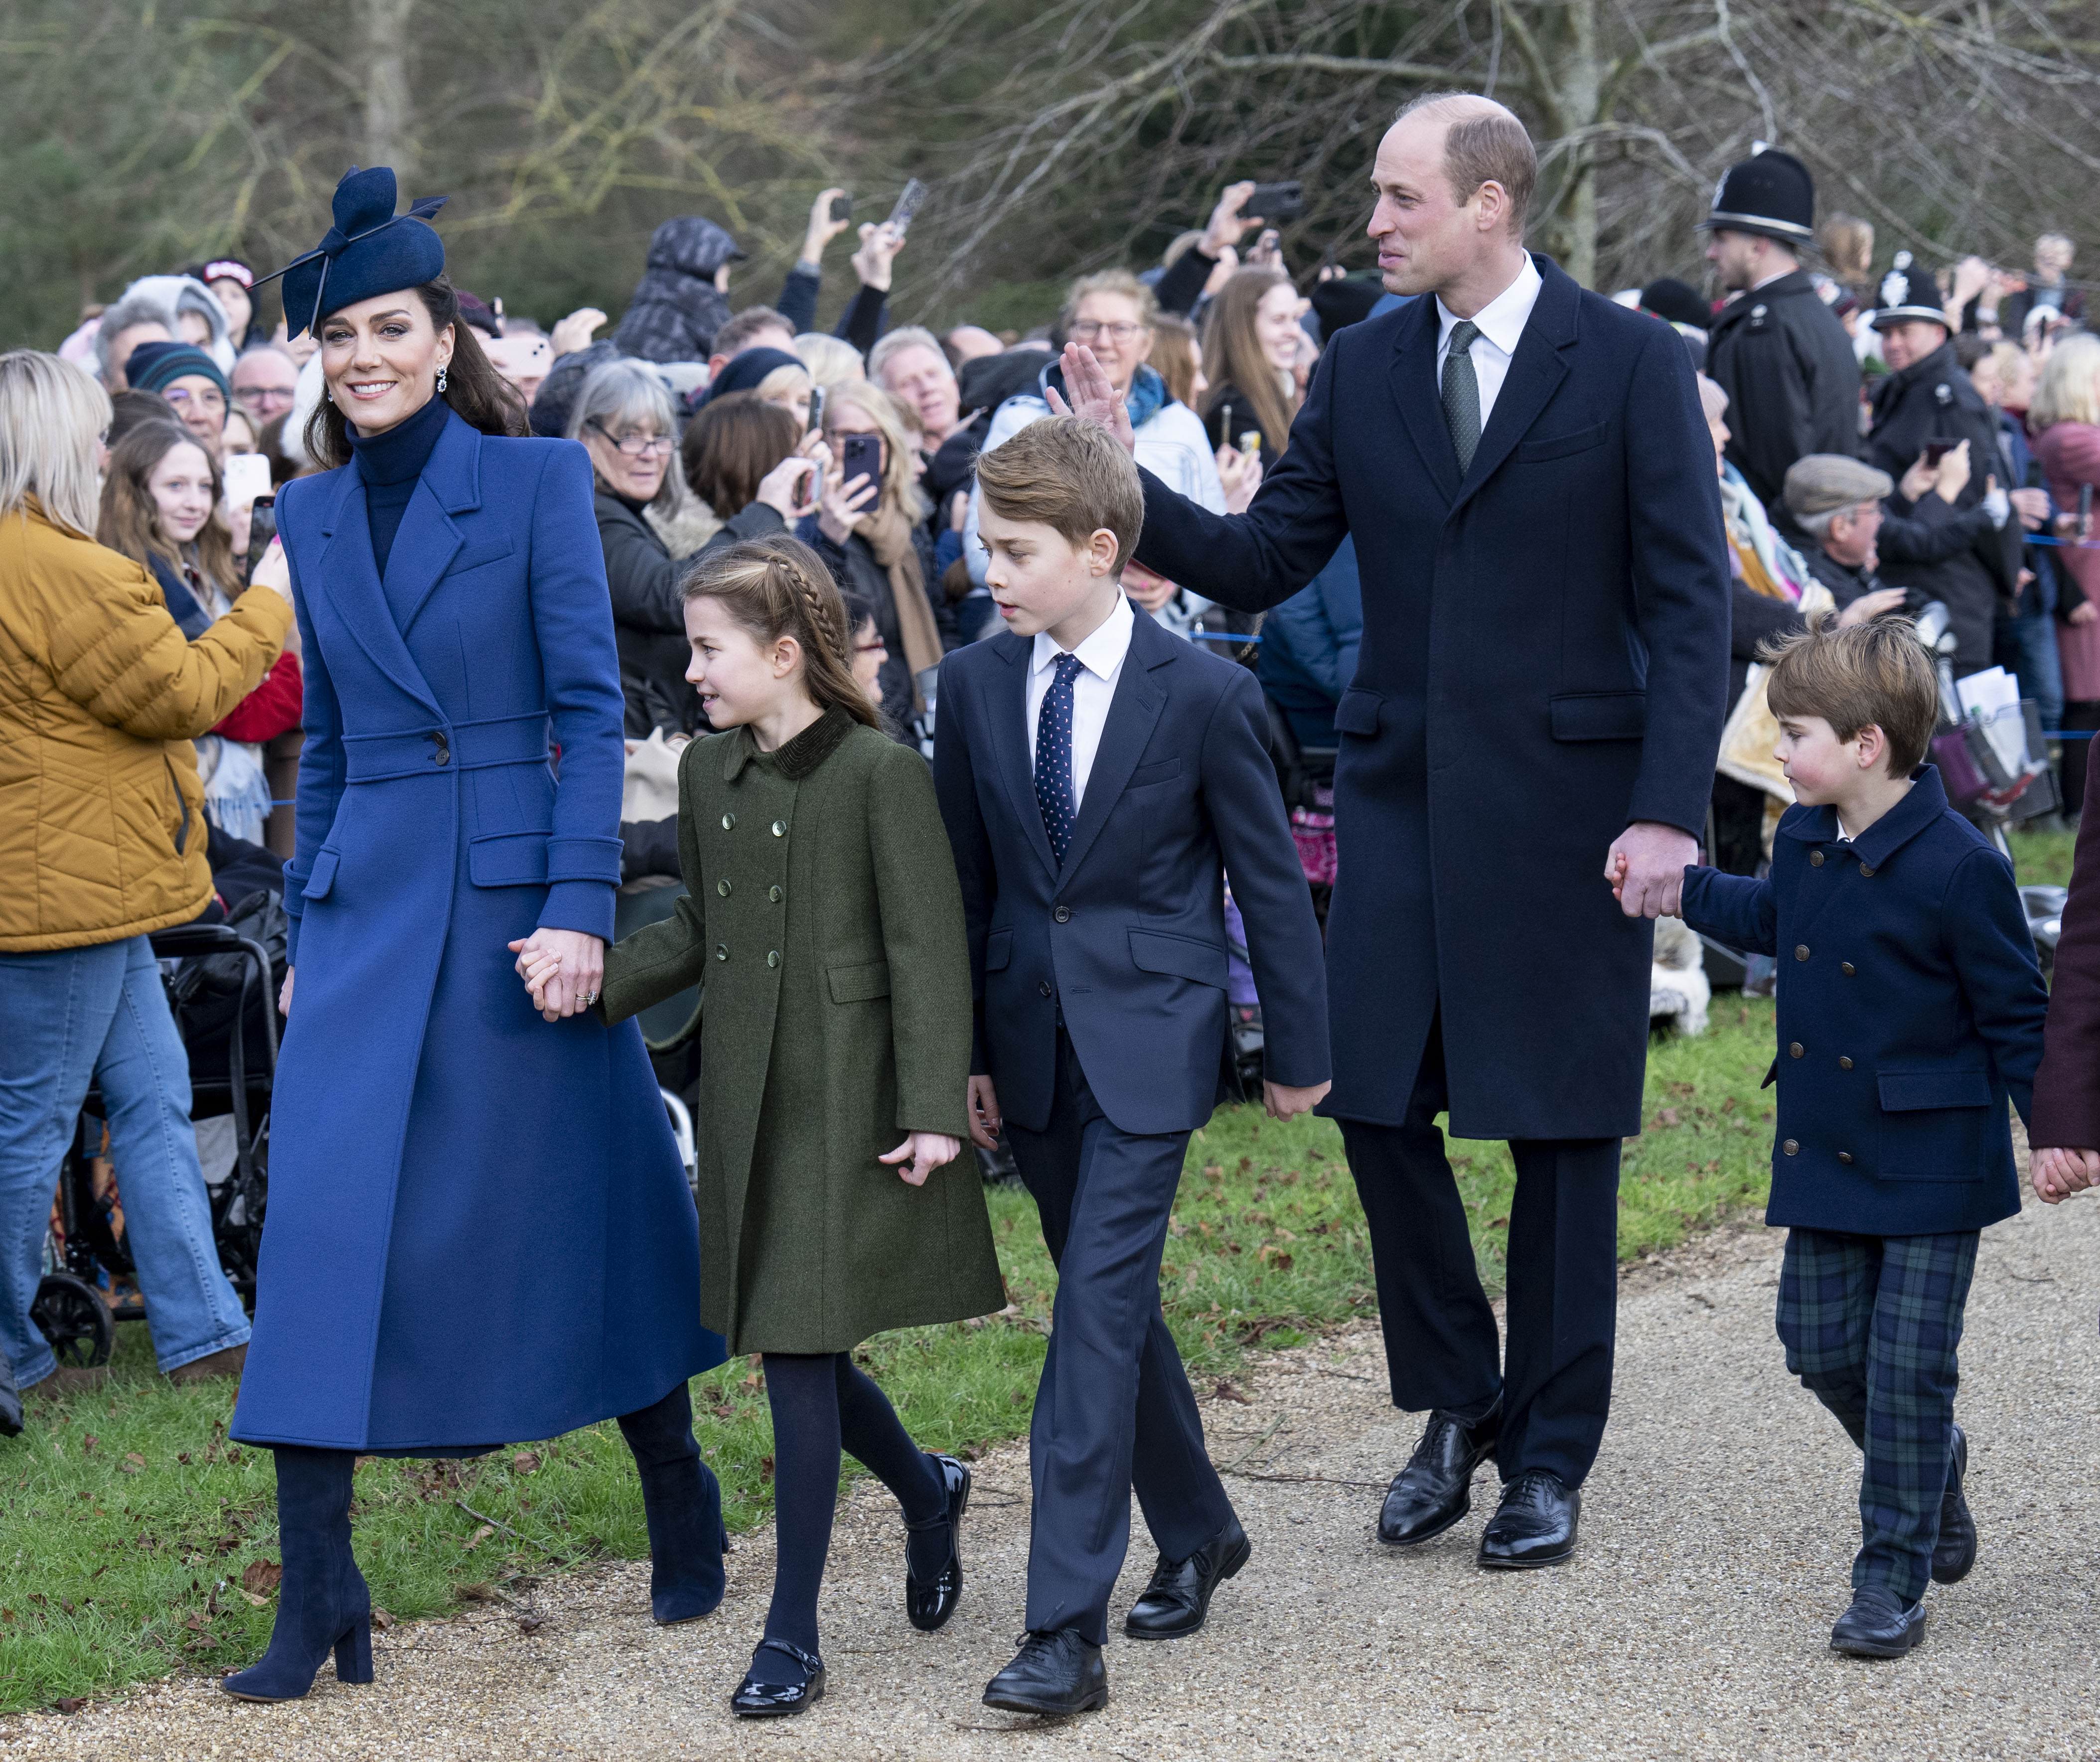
<point>1910,1010</point>
<point>1098,776</point>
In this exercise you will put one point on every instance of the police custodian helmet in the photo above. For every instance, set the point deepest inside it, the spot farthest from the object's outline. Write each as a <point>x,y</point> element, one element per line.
<point>1907,293</point>
<point>1770,192</point>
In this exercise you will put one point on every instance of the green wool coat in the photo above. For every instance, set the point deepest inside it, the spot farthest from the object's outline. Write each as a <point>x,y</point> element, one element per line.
<point>824,923</point>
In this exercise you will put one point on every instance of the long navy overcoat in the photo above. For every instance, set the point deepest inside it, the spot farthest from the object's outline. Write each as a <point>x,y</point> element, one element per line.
<point>478,1229</point>
<point>1545,659</point>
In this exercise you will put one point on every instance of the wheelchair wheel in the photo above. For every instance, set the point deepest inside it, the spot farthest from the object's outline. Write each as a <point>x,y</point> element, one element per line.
<point>70,1314</point>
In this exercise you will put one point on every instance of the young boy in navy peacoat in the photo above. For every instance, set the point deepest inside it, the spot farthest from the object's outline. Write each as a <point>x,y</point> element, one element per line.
<point>1910,1011</point>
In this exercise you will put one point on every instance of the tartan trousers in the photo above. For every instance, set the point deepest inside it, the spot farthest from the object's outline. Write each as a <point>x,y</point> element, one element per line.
<point>1871,1324</point>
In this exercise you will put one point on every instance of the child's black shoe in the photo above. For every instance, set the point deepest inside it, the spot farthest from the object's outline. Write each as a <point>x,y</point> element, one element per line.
<point>1955,1552</point>
<point>1877,1626</point>
<point>793,1680</point>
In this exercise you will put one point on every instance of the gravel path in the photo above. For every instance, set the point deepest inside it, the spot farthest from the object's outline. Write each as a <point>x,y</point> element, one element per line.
<point>1715,1553</point>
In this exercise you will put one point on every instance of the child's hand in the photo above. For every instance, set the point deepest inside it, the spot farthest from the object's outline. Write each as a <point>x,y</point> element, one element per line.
<point>983,1106</point>
<point>2057,1173</point>
<point>563,969</point>
<point>925,1151</point>
<point>1617,875</point>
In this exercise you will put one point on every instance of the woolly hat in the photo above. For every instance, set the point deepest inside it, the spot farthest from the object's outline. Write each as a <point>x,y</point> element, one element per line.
<point>1822,483</point>
<point>155,366</point>
<point>1677,302</point>
<point>370,250</point>
<point>743,373</point>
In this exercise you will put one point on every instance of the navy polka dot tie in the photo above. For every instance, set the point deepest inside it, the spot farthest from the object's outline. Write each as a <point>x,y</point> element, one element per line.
<point>1053,758</point>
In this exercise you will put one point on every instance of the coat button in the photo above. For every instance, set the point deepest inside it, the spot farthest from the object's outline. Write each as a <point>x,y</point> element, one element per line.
<point>722,888</point>
<point>721,951</point>
<point>1795,1049</point>
<point>1792,1147</point>
<point>1844,1065</point>
<point>775,895</point>
<point>1044,987</point>
<point>728,823</point>
<point>780,829</point>
<point>773,958</point>
<point>1816,859</point>
<point>1865,872</point>
<point>1844,1156</point>
<point>1801,951</point>
<point>1063,914</point>
<point>1846,968</point>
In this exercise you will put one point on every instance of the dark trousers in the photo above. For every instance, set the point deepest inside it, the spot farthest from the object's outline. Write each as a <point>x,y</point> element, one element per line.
<point>1562,1276</point>
<point>1115,1411</point>
<point>1872,1325</point>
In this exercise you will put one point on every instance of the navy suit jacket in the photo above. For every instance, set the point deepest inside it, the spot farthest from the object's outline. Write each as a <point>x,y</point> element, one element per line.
<point>1910,1011</point>
<point>1128,937</point>
<point>1545,659</point>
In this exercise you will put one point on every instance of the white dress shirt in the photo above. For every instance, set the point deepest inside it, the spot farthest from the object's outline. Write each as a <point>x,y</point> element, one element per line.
<point>1093,688</point>
<point>1502,321</point>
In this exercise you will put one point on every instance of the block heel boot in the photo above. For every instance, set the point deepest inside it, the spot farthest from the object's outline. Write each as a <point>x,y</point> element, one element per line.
<point>682,1501</point>
<point>322,1604</point>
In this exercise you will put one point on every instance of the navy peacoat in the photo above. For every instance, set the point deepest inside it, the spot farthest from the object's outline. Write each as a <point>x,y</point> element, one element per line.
<point>1910,1011</point>
<point>479,1228</point>
<point>1545,659</point>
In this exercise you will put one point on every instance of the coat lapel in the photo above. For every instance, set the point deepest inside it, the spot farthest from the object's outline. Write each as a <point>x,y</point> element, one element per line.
<point>1133,712</point>
<point>1412,374</point>
<point>1006,699</point>
<point>1535,373</point>
<point>428,541</point>
<point>350,574</point>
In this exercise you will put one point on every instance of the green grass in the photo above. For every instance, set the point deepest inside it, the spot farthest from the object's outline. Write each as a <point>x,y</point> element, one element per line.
<point>127,1521</point>
<point>2043,858</point>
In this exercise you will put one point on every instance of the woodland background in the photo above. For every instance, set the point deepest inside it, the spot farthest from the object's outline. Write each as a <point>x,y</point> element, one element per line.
<point>1057,135</point>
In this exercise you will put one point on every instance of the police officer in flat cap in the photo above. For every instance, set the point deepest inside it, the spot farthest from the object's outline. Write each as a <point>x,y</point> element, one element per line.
<point>1777,351</point>
<point>1927,407</point>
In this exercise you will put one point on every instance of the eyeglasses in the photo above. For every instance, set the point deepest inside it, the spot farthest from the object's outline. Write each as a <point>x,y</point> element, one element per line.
<point>639,446</point>
<point>1087,330</point>
<point>261,398</point>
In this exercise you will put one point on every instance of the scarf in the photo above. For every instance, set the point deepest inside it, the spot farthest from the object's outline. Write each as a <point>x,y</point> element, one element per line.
<point>888,535</point>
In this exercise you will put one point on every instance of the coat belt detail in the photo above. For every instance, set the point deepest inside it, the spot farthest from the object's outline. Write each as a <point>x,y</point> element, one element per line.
<point>460,746</point>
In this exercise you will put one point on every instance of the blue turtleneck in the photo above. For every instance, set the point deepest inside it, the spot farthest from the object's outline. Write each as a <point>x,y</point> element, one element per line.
<point>391,464</point>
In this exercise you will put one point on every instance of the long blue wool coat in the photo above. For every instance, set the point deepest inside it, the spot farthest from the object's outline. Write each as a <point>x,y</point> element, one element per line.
<point>1910,1011</point>
<point>478,1229</point>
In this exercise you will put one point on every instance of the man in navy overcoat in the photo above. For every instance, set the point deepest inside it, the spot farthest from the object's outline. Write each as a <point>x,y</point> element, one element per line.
<point>1542,681</point>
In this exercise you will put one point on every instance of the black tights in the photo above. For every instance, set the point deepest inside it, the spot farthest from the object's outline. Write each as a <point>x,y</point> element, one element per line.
<point>821,1404</point>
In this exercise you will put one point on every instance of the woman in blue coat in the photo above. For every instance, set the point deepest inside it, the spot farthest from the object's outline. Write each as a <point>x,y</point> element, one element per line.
<point>479,1231</point>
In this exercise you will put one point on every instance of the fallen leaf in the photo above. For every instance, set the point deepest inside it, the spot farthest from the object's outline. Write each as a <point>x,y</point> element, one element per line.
<point>723,1411</point>
<point>260,1602</point>
<point>1668,1116</point>
<point>90,1442</point>
<point>381,1620</point>
<point>480,1535</point>
<point>133,1462</point>
<point>70,1703</point>
<point>260,1576</point>
<point>1281,1262</point>
<point>525,1461</point>
<point>1227,1392</point>
<point>531,1623</point>
<point>765,1467</point>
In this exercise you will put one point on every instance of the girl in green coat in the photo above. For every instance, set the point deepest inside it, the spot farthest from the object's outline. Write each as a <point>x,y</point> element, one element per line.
<point>823,919</point>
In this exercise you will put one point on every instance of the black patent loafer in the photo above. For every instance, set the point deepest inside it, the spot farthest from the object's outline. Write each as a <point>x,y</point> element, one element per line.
<point>764,1699</point>
<point>1955,1552</point>
<point>1535,1524</point>
<point>1055,1672</point>
<point>1435,1488</point>
<point>1177,1601</point>
<point>1877,1626</point>
<point>930,1602</point>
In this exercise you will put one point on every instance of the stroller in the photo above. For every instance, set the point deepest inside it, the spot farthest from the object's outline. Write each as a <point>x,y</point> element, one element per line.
<point>222,982</point>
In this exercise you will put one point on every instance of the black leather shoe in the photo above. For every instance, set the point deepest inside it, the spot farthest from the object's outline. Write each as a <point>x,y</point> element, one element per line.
<point>1057,1672</point>
<point>1955,1552</point>
<point>1178,1600</point>
<point>1877,1626</point>
<point>1435,1488</point>
<point>757,1697</point>
<point>1535,1524</point>
<point>929,1602</point>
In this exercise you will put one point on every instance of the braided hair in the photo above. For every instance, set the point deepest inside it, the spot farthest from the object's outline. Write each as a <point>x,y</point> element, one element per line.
<point>778,587</point>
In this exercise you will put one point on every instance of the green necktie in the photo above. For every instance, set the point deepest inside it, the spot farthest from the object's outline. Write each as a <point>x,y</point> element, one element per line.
<point>1462,395</point>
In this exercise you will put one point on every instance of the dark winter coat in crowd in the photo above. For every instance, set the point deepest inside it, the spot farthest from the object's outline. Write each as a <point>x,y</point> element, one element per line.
<point>1348,301</point>
<point>677,308</point>
<point>556,399</point>
<point>1792,380</point>
<point>1227,415</point>
<point>1309,646</point>
<point>649,614</point>
<point>860,324</point>
<point>853,566</point>
<point>647,848</point>
<point>2018,468</point>
<point>1932,399</point>
<point>981,386</point>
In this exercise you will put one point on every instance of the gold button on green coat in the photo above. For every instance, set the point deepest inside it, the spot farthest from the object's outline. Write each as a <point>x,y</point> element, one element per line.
<point>853,1030</point>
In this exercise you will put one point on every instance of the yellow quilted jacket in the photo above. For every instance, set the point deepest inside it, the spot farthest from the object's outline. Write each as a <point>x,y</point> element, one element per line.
<point>102,832</point>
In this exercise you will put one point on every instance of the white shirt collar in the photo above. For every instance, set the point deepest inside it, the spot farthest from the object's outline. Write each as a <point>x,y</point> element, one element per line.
<point>1501,319</point>
<point>1101,653</point>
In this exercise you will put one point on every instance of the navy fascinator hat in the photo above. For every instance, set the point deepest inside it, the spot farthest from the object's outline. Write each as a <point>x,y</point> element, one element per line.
<point>370,250</point>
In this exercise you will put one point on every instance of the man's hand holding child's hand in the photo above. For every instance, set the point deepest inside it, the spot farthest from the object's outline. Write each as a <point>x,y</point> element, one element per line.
<point>2057,1173</point>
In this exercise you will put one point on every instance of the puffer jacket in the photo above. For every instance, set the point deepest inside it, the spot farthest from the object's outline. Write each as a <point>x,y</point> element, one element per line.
<point>101,828</point>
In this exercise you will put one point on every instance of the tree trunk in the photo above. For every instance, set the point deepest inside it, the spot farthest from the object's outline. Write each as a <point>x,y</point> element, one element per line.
<point>383,34</point>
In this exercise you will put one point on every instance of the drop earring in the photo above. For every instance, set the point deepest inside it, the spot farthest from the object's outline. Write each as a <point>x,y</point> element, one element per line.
<point>441,381</point>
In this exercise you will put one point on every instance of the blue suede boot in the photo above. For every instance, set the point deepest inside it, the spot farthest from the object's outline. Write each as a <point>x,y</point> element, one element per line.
<point>323,1601</point>
<point>682,1500</point>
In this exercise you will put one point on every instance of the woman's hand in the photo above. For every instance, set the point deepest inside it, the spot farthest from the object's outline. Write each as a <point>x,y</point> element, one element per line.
<point>1146,589</point>
<point>782,489</point>
<point>1953,474</point>
<point>1226,224</point>
<point>823,228</point>
<point>274,570</point>
<point>1916,483</point>
<point>2057,1173</point>
<point>844,504</point>
<point>923,1152</point>
<point>1239,475</point>
<point>879,246</point>
<point>284,996</point>
<point>563,969</point>
<point>572,335</point>
<point>2083,613</point>
<point>1871,605</point>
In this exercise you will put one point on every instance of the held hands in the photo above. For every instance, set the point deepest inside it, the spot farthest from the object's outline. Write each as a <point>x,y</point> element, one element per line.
<point>1645,866</point>
<point>922,1153</point>
<point>284,996</point>
<point>563,969</point>
<point>1285,1103</point>
<point>1089,396</point>
<point>2057,1173</point>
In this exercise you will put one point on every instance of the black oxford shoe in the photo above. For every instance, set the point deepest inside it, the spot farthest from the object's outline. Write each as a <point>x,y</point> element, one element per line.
<point>1435,1488</point>
<point>1955,1552</point>
<point>1057,1672</point>
<point>1178,1600</point>
<point>757,1697</point>
<point>929,1602</point>
<point>1534,1526</point>
<point>1877,1626</point>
